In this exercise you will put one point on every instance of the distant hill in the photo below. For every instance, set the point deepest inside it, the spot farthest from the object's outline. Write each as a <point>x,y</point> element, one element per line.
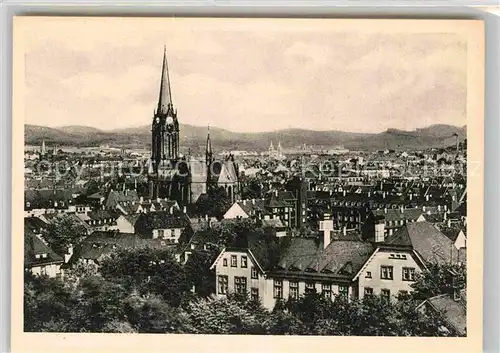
<point>194,137</point>
<point>78,129</point>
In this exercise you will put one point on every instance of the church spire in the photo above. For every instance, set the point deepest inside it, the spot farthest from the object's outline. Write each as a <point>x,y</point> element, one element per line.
<point>165,98</point>
<point>208,150</point>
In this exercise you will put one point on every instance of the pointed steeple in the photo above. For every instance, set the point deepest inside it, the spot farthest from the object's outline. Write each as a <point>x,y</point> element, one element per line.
<point>208,149</point>
<point>209,142</point>
<point>165,98</point>
<point>43,148</point>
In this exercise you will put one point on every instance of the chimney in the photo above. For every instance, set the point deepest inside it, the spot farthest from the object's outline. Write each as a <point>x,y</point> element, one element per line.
<point>385,209</point>
<point>448,223</point>
<point>343,193</point>
<point>369,193</point>
<point>445,208</point>
<point>157,199</point>
<point>184,209</point>
<point>423,208</point>
<point>427,197</point>
<point>344,230</point>
<point>244,202</point>
<point>380,230</point>
<point>445,215</point>
<point>276,193</point>
<point>206,217</point>
<point>383,195</point>
<point>326,226</point>
<point>439,208</point>
<point>141,199</point>
<point>411,196</point>
<point>402,209</point>
<point>171,210</point>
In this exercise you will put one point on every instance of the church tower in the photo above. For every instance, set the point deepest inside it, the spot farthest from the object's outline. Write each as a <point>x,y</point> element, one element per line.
<point>169,174</point>
<point>165,126</point>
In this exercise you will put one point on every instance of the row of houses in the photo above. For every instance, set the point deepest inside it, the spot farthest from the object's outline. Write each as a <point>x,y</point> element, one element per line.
<point>337,264</point>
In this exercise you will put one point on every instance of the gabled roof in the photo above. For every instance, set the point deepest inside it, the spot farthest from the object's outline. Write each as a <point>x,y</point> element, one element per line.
<point>432,245</point>
<point>451,232</point>
<point>161,220</point>
<point>34,245</point>
<point>454,312</point>
<point>251,207</point>
<point>34,224</point>
<point>116,197</point>
<point>340,259</point>
<point>100,243</point>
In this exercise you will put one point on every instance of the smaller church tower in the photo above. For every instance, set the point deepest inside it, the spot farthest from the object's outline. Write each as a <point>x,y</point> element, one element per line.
<point>208,150</point>
<point>42,150</point>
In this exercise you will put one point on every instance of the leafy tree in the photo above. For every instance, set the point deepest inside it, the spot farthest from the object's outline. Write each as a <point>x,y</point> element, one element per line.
<point>439,279</point>
<point>78,271</point>
<point>215,204</point>
<point>150,271</point>
<point>47,304</point>
<point>153,315</point>
<point>221,316</point>
<point>117,326</point>
<point>99,304</point>
<point>64,232</point>
<point>251,188</point>
<point>199,274</point>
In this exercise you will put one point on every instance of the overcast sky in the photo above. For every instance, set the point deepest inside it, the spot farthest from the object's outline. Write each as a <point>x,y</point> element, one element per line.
<point>246,75</point>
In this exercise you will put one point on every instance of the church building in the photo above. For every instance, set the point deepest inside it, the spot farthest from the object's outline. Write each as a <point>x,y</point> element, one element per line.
<point>177,177</point>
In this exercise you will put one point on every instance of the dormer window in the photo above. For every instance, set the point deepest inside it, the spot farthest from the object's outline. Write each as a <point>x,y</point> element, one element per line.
<point>44,255</point>
<point>37,256</point>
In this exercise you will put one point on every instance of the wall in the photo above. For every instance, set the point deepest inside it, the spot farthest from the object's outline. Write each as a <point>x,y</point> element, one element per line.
<point>51,270</point>
<point>124,225</point>
<point>381,258</point>
<point>264,286</point>
<point>461,241</point>
<point>235,211</point>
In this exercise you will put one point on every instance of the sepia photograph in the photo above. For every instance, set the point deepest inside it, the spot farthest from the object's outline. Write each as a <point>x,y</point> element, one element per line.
<point>248,176</point>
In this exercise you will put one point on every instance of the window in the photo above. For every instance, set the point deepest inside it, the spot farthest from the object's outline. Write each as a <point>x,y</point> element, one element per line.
<point>368,291</point>
<point>234,261</point>
<point>278,289</point>
<point>368,274</point>
<point>294,289</point>
<point>408,274</point>
<point>386,272</point>
<point>240,285</point>
<point>224,262</point>
<point>223,281</point>
<point>343,291</point>
<point>310,287</point>
<point>254,294</point>
<point>326,290</point>
<point>255,274</point>
<point>402,293</point>
<point>244,261</point>
<point>386,294</point>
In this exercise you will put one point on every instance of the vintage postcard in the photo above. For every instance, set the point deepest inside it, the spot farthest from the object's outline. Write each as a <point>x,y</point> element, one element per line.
<point>207,180</point>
